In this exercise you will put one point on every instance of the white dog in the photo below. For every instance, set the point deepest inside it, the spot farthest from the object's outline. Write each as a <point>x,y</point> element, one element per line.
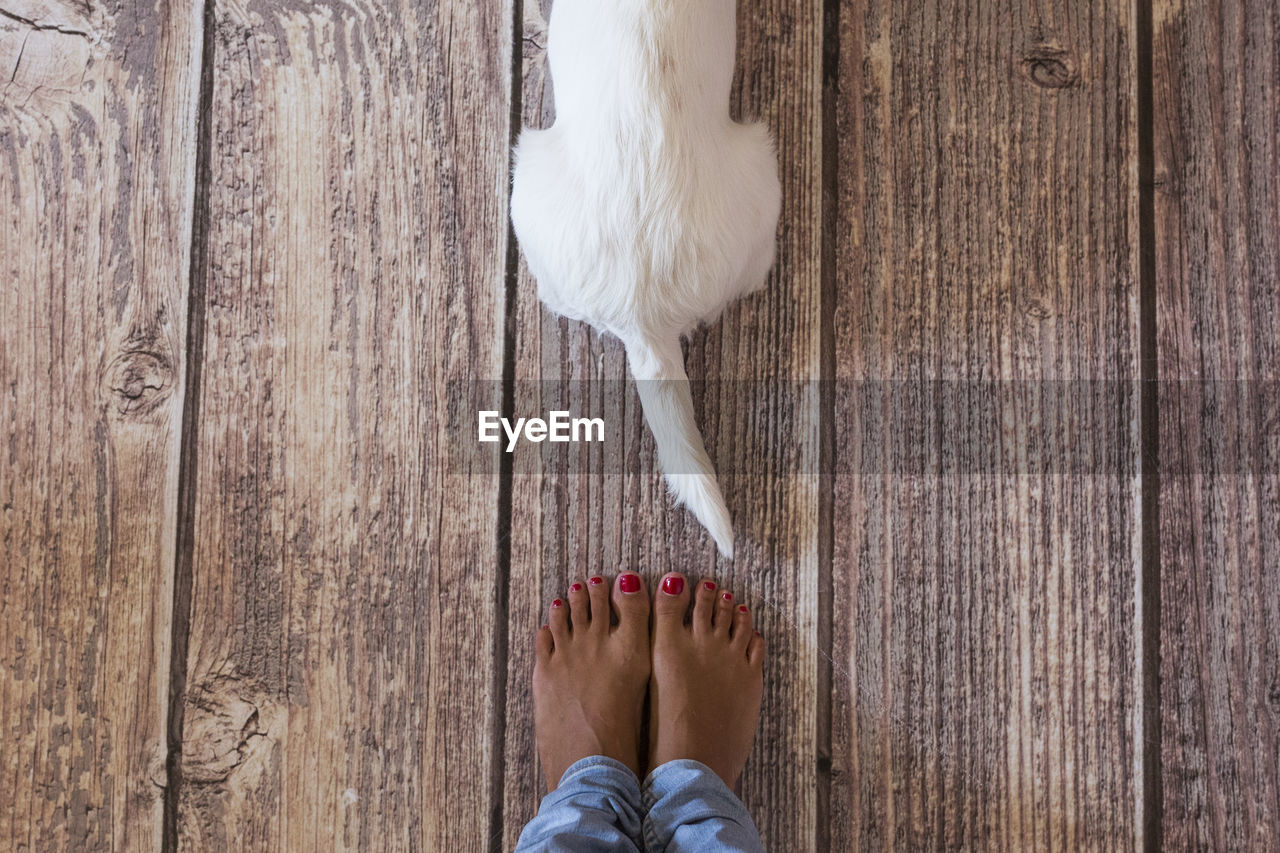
<point>645,209</point>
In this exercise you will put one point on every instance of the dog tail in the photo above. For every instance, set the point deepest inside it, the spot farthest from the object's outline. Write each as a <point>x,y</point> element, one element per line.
<point>658,368</point>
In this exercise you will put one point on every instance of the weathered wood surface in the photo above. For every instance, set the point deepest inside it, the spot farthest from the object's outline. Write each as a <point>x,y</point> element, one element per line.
<point>986,509</point>
<point>339,690</point>
<point>1216,99</point>
<point>97,156</point>
<point>979,660</point>
<point>604,510</point>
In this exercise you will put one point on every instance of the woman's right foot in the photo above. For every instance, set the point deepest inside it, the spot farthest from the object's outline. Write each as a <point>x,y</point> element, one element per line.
<point>706,685</point>
<point>589,676</point>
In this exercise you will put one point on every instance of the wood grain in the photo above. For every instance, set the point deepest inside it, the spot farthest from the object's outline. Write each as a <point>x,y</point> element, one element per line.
<point>97,161</point>
<point>1216,69</point>
<point>984,649</point>
<point>340,693</point>
<point>604,509</point>
<point>987,511</point>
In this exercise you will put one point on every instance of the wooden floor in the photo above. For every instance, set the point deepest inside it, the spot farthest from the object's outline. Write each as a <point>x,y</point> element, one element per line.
<point>1001,438</point>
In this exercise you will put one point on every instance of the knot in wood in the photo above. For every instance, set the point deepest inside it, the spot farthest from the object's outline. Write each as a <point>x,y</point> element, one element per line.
<point>1050,67</point>
<point>138,381</point>
<point>1035,308</point>
<point>221,732</point>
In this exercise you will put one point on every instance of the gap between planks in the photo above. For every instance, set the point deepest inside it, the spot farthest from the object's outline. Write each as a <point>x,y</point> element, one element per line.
<point>1150,819</point>
<point>502,593</point>
<point>188,434</point>
<point>827,414</point>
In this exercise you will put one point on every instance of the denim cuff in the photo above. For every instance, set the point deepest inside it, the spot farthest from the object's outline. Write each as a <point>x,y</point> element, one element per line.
<point>687,798</point>
<point>602,773</point>
<point>594,809</point>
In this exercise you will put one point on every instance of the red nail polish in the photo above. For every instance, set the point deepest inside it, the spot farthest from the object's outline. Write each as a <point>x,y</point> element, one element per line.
<point>596,581</point>
<point>742,608</point>
<point>673,585</point>
<point>727,596</point>
<point>629,583</point>
<point>758,634</point>
<point>577,587</point>
<point>557,603</point>
<point>709,586</point>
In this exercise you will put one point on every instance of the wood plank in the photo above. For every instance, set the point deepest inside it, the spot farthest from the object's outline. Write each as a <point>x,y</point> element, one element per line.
<point>1216,70</point>
<point>344,568</point>
<point>986,676</point>
<point>604,508</point>
<point>97,158</point>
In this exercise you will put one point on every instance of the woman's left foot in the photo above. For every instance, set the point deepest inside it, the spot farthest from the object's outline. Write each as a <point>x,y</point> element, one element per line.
<point>590,677</point>
<point>704,699</point>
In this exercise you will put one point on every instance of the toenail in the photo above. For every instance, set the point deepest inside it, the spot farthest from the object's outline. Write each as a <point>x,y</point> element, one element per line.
<point>758,634</point>
<point>629,583</point>
<point>709,586</point>
<point>742,608</point>
<point>557,603</point>
<point>673,585</point>
<point>577,587</point>
<point>727,596</point>
<point>595,581</point>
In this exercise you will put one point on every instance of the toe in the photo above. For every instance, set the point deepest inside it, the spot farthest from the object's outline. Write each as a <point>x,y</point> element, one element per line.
<point>559,621</point>
<point>671,601</point>
<point>598,595</point>
<point>741,632</point>
<point>632,603</point>
<point>542,644</point>
<point>755,649</point>
<point>579,609</point>
<point>723,617</point>
<point>704,604</point>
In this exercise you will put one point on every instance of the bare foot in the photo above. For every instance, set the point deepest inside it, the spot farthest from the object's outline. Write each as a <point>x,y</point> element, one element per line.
<point>589,678</point>
<point>706,685</point>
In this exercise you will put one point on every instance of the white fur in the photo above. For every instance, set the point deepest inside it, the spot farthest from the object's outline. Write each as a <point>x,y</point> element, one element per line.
<point>645,209</point>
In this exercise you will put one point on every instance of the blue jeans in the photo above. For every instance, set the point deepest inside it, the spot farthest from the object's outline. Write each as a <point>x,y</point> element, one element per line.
<point>600,806</point>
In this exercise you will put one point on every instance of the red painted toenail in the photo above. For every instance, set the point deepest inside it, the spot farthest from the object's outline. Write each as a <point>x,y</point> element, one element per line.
<point>673,585</point>
<point>728,596</point>
<point>758,634</point>
<point>595,581</point>
<point>629,583</point>
<point>708,586</point>
<point>742,608</point>
<point>557,603</point>
<point>577,587</point>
